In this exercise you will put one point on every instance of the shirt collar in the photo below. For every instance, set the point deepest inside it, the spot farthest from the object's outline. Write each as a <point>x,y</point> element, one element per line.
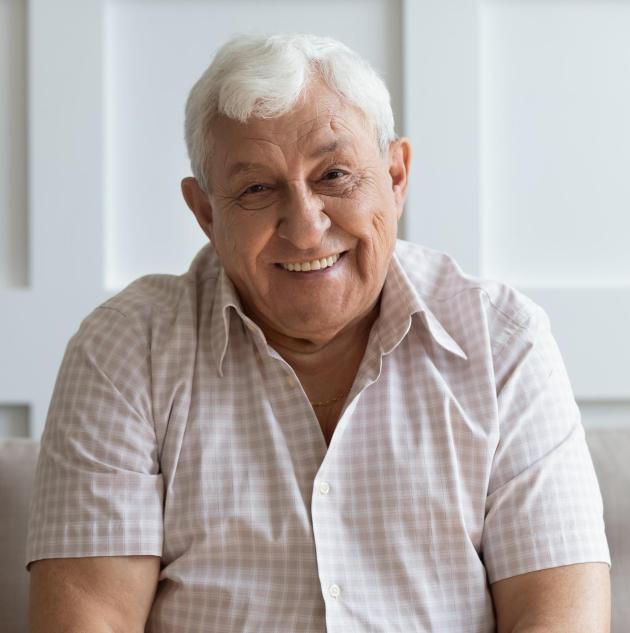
<point>400,302</point>
<point>226,300</point>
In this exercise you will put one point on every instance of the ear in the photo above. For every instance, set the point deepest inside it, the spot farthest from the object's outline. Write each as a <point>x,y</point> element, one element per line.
<point>399,163</point>
<point>199,203</point>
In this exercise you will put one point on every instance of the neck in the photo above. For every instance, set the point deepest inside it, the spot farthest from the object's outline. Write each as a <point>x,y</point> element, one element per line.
<point>315,356</point>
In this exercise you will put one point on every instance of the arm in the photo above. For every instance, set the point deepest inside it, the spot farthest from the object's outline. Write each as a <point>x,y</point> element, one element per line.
<point>544,542</point>
<point>96,518</point>
<point>568,599</point>
<point>105,594</point>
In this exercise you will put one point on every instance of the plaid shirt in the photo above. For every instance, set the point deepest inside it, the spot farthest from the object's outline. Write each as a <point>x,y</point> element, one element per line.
<point>459,460</point>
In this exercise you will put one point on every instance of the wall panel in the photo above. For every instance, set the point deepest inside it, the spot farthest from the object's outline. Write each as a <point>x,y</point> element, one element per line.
<point>14,421</point>
<point>13,145</point>
<point>610,414</point>
<point>556,142</point>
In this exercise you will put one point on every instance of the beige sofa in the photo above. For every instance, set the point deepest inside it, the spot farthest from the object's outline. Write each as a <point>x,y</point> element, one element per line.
<point>610,450</point>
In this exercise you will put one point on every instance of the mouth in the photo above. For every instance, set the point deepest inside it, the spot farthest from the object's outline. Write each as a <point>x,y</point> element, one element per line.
<point>313,265</point>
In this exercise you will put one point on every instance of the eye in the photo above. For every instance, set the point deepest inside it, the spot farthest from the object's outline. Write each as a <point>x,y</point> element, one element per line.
<point>334,174</point>
<point>253,189</point>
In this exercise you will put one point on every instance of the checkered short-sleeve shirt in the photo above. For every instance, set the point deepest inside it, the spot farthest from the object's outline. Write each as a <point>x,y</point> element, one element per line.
<point>175,430</point>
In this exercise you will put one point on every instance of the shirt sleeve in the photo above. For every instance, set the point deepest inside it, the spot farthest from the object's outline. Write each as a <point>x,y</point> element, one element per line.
<point>98,487</point>
<point>544,507</point>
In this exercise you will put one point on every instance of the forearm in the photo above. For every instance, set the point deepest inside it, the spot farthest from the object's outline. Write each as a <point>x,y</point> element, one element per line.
<point>70,619</point>
<point>560,628</point>
<point>92,595</point>
<point>562,621</point>
<point>569,624</point>
<point>567,599</point>
<point>77,627</point>
<point>79,615</point>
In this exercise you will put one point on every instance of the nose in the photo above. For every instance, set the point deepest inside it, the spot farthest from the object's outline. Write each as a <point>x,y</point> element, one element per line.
<point>303,220</point>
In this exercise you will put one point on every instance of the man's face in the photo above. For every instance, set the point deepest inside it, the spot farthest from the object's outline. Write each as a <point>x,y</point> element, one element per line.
<point>308,185</point>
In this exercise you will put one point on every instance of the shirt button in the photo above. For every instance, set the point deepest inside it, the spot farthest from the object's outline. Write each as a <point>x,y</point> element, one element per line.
<point>324,488</point>
<point>334,590</point>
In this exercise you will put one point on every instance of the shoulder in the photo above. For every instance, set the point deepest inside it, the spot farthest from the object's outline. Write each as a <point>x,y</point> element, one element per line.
<point>467,304</point>
<point>154,303</point>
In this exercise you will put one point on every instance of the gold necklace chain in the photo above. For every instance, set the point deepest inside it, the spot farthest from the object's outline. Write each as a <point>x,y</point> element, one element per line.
<point>323,403</point>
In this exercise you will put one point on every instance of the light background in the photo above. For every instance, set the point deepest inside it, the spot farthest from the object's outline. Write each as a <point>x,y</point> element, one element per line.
<point>517,111</point>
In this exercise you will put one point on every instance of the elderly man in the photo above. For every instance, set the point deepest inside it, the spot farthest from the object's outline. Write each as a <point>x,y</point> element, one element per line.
<point>317,427</point>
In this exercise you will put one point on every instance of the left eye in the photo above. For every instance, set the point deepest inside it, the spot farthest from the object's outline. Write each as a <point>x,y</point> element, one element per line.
<point>334,174</point>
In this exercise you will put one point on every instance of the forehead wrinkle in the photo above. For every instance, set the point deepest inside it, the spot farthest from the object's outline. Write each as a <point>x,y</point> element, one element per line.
<point>338,122</point>
<point>243,168</point>
<point>336,140</point>
<point>259,140</point>
<point>303,135</point>
<point>252,163</point>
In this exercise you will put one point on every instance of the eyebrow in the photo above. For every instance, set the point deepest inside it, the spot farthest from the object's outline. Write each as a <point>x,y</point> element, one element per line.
<point>325,149</point>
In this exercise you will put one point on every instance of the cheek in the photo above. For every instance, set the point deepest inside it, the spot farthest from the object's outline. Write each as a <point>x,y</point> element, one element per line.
<point>242,237</point>
<point>382,239</point>
<point>385,225</point>
<point>384,215</point>
<point>373,222</point>
<point>372,218</point>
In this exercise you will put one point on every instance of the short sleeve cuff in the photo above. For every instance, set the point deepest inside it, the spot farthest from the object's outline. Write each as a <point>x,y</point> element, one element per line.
<point>75,513</point>
<point>116,538</point>
<point>546,551</point>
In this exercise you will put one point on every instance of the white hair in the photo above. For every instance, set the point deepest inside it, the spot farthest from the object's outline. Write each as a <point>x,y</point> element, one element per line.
<point>263,76</point>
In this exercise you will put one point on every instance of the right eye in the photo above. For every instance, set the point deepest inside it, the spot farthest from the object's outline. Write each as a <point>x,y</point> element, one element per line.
<point>254,189</point>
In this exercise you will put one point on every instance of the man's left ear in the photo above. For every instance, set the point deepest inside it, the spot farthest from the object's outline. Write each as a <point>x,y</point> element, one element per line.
<point>399,162</point>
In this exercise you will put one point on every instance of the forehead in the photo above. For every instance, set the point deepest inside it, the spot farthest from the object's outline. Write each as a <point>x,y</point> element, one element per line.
<point>319,118</point>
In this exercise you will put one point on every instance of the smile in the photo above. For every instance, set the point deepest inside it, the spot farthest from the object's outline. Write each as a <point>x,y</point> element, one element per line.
<point>315,264</point>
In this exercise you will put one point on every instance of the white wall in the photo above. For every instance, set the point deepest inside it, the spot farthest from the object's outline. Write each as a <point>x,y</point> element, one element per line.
<point>515,109</point>
<point>520,121</point>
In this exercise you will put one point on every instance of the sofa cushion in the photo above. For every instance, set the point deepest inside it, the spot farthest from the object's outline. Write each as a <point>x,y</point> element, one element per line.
<point>18,458</point>
<point>610,450</point>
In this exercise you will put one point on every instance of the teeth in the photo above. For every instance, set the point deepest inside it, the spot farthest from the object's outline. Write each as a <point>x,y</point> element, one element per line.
<point>316,264</point>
